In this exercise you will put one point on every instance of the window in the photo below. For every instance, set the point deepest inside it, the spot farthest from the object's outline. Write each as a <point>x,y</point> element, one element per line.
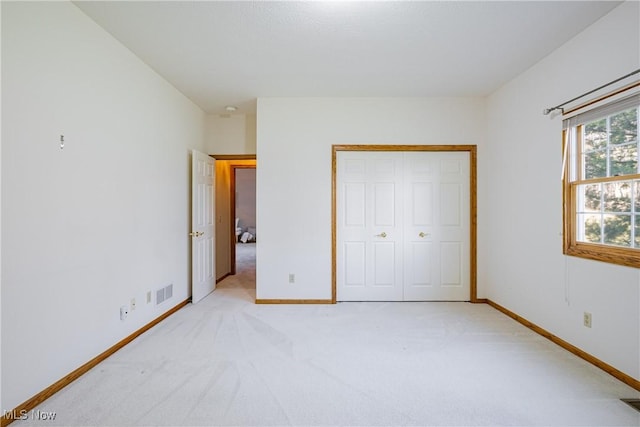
<point>602,183</point>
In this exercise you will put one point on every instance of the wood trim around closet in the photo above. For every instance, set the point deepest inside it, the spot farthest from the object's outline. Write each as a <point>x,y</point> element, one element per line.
<point>473,204</point>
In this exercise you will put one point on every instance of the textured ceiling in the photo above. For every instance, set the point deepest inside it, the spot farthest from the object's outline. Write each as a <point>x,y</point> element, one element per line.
<point>230,53</point>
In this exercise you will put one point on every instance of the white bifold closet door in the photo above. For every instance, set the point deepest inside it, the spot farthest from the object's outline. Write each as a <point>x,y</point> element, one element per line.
<point>403,222</point>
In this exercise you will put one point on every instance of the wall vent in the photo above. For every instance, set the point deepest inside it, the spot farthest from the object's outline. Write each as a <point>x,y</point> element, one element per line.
<point>159,296</point>
<point>164,294</point>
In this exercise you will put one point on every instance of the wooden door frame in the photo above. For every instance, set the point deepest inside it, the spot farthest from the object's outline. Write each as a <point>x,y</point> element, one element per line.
<point>232,190</point>
<point>473,204</point>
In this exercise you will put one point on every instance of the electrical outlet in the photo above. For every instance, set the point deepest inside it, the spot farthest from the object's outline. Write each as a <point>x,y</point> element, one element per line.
<point>124,312</point>
<point>292,278</point>
<point>587,319</point>
<point>148,297</point>
<point>133,304</point>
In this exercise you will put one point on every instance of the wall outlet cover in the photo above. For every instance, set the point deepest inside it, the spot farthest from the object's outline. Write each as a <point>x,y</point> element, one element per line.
<point>587,319</point>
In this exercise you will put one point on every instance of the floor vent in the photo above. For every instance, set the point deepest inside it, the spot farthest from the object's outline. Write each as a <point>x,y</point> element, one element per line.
<point>164,294</point>
<point>634,403</point>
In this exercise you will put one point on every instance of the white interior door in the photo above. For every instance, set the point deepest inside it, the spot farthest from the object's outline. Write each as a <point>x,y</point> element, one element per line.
<point>436,226</point>
<point>203,277</point>
<point>369,226</point>
<point>403,223</point>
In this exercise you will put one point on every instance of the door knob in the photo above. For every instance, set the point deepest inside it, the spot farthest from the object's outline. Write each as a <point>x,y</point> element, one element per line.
<point>423,234</point>
<point>193,234</point>
<point>383,235</point>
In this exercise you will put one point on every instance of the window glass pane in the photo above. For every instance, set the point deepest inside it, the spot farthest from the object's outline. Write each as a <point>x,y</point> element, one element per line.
<point>595,135</point>
<point>617,230</point>
<point>617,196</point>
<point>595,164</point>
<point>637,231</point>
<point>624,127</point>
<point>636,192</point>
<point>624,159</point>
<point>589,226</point>
<point>589,197</point>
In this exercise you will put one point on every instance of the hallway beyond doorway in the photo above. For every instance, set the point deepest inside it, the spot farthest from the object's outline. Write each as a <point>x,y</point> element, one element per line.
<point>245,278</point>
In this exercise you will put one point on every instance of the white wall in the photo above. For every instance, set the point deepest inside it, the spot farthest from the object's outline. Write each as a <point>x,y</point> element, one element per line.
<point>104,220</point>
<point>521,241</point>
<point>1,401</point>
<point>295,136</point>
<point>230,134</point>
<point>223,219</point>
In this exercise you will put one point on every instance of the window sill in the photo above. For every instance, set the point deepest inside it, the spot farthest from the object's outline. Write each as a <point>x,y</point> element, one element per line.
<point>613,255</point>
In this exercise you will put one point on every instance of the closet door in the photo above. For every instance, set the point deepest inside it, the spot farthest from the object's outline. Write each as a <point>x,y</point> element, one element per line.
<point>369,226</point>
<point>436,226</point>
<point>403,223</point>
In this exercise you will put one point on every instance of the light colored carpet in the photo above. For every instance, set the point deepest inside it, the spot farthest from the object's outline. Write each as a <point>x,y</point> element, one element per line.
<point>244,281</point>
<point>227,361</point>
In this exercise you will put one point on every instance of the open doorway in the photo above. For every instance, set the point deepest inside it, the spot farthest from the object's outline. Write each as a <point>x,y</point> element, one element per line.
<point>230,262</point>
<point>243,204</point>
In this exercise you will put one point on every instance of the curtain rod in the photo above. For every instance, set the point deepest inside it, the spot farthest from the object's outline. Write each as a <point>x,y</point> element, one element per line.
<point>546,111</point>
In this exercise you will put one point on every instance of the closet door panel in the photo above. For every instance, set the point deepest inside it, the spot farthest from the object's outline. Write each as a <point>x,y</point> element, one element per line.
<point>451,264</point>
<point>354,266</point>
<point>437,217</point>
<point>369,238</point>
